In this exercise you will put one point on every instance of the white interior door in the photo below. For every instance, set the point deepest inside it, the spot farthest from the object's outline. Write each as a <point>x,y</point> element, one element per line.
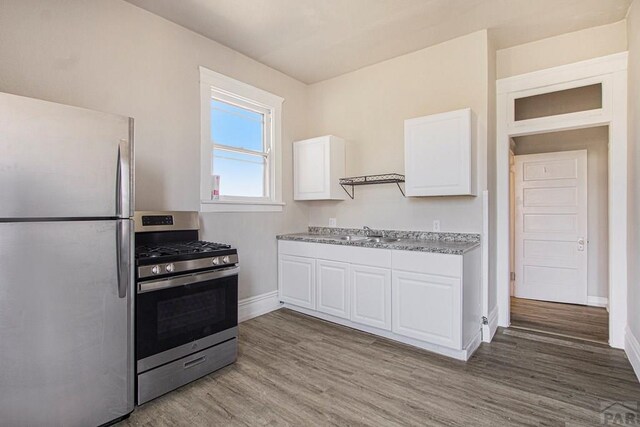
<point>551,226</point>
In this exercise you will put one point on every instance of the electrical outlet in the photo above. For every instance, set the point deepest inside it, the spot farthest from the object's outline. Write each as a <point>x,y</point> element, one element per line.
<point>436,225</point>
<point>333,222</point>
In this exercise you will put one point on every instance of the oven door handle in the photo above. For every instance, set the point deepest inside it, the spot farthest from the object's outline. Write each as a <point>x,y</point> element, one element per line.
<point>187,279</point>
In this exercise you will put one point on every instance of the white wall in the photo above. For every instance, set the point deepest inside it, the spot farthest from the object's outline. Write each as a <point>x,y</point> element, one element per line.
<point>563,49</point>
<point>633,296</point>
<point>595,141</point>
<point>492,297</point>
<point>115,57</point>
<point>368,108</point>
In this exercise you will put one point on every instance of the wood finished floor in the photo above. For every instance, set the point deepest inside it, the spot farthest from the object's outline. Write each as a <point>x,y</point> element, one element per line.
<point>590,323</point>
<point>299,371</point>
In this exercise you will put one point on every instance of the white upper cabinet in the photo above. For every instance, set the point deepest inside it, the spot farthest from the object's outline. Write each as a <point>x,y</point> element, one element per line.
<point>318,164</point>
<point>439,154</point>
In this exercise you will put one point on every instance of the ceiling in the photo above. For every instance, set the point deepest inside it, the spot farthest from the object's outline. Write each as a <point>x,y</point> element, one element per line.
<point>313,40</point>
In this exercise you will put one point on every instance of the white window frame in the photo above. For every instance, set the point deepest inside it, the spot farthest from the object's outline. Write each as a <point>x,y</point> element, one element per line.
<point>226,89</point>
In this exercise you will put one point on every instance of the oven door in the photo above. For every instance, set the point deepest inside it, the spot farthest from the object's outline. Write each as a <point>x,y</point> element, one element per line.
<point>184,314</point>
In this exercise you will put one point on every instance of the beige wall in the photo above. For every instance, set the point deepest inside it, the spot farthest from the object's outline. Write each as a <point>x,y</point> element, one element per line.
<point>115,57</point>
<point>563,49</point>
<point>368,108</point>
<point>595,141</point>
<point>633,297</point>
<point>112,56</point>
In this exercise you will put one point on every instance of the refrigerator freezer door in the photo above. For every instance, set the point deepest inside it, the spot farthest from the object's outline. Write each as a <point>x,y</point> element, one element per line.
<point>66,334</point>
<point>60,161</point>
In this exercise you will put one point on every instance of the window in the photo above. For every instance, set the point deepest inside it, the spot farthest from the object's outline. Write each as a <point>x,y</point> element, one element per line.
<point>241,148</point>
<point>240,141</point>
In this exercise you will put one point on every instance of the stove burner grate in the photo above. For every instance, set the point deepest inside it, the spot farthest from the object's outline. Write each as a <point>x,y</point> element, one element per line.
<point>178,248</point>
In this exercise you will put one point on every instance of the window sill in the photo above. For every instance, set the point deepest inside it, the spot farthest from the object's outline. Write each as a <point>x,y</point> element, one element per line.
<point>240,206</point>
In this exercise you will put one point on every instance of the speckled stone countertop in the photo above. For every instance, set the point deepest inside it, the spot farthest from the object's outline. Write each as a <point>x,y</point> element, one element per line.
<point>423,241</point>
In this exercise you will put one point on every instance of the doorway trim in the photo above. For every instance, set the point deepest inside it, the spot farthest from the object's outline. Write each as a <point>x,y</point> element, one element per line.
<point>611,72</point>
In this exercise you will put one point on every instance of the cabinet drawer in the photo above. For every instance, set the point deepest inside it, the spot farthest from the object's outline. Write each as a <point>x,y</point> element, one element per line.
<point>355,255</point>
<point>166,378</point>
<point>341,253</point>
<point>428,263</point>
<point>289,247</point>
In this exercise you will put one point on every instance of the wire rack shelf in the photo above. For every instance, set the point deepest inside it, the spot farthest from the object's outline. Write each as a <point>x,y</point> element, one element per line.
<point>388,178</point>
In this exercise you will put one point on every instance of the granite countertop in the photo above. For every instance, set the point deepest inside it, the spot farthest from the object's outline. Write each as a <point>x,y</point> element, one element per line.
<point>442,243</point>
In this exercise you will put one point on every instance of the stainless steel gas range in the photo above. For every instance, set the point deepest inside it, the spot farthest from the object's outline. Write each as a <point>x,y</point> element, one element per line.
<point>186,303</point>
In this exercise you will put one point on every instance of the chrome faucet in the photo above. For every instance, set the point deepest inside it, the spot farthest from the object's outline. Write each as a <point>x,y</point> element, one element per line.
<point>367,231</point>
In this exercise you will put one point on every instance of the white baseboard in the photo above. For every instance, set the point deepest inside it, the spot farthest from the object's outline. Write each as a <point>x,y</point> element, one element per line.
<point>473,345</point>
<point>251,307</point>
<point>489,330</point>
<point>598,301</point>
<point>632,348</point>
<point>463,354</point>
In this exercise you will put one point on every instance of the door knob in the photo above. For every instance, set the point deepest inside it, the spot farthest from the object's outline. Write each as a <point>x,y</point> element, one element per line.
<point>581,243</point>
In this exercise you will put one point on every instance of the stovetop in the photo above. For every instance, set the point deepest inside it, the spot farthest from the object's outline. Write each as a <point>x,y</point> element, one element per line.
<point>179,251</point>
<point>177,248</point>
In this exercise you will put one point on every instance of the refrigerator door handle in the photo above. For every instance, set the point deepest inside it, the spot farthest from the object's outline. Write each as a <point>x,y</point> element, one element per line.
<point>123,256</point>
<point>123,180</point>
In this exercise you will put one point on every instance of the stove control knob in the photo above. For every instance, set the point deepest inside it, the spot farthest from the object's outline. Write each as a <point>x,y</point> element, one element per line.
<point>169,268</point>
<point>155,269</point>
<point>225,259</point>
<point>216,261</point>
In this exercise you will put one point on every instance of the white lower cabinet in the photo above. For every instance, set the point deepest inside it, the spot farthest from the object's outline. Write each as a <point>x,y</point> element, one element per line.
<point>371,296</point>
<point>333,288</point>
<point>297,280</point>
<point>427,307</point>
<point>428,300</point>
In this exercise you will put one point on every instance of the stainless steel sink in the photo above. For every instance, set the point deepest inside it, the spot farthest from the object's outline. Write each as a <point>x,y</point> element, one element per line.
<point>382,239</point>
<point>352,238</point>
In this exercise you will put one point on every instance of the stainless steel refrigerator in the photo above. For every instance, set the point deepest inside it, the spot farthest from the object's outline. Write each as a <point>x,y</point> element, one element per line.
<point>66,276</point>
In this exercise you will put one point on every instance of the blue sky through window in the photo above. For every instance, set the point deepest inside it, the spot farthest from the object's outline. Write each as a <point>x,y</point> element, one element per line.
<point>241,174</point>
<point>236,126</point>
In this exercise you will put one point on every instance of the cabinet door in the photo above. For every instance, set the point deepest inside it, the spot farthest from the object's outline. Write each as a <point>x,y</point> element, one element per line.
<point>297,280</point>
<point>318,164</point>
<point>427,308</point>
<point>311,169</point>
<point>333,288</point>
<point>438,155</point>
<point>371,296</point>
